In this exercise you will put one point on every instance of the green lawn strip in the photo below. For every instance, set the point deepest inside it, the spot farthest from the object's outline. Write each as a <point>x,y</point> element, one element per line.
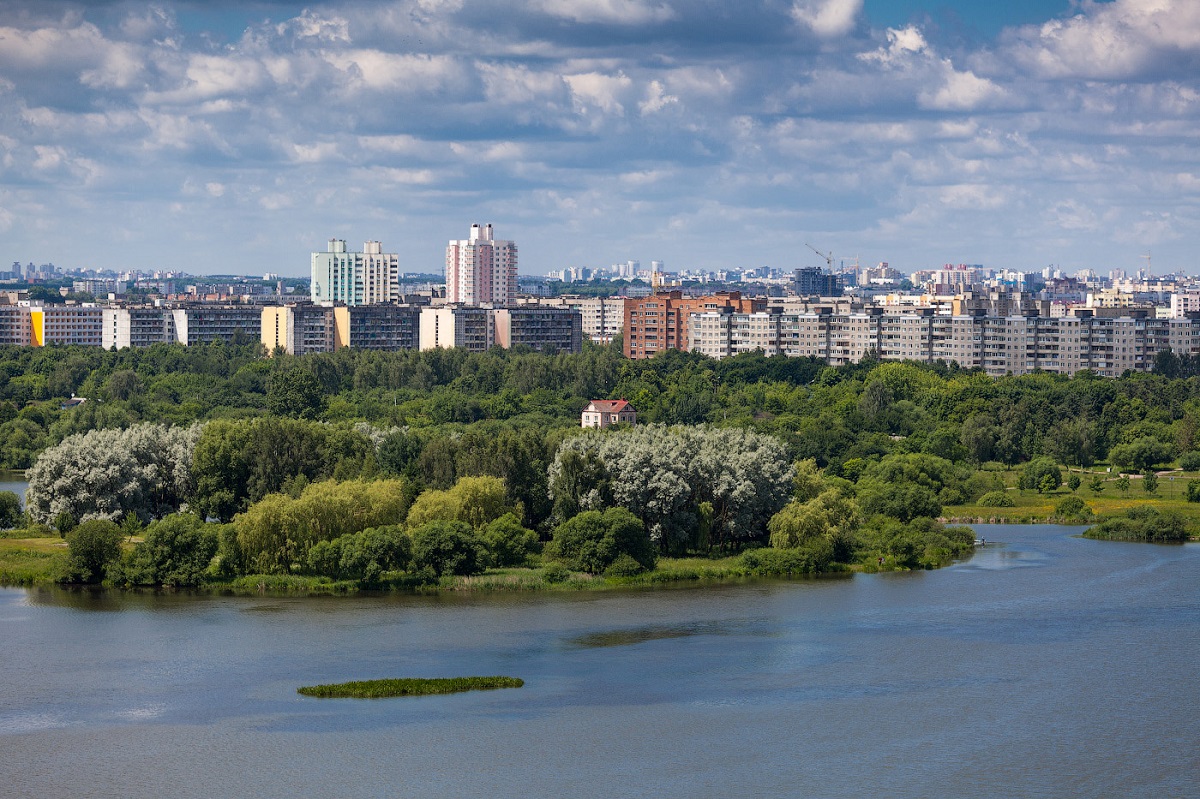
<point>379,689</point>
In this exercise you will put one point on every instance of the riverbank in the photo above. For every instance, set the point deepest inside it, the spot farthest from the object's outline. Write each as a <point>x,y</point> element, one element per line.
<point>35,561</point>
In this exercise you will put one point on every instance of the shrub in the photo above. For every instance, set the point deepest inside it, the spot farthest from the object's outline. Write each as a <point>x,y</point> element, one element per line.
<point>624,566</point>
<point>1143,524</point>
<point>1190,461</point>
<point>556,573</point>
<point>1071,508</point>
<point>592,541</point>
<point>94,546</point>
<point>10,510</point>
<point>810,558</point>
<point>446,547</point>
<point>1073,482</point>
<point>175,551</point>
<point>996,499</point>
<point>1193,491</point>
<point>509,543</point>
<point>1042,475</point>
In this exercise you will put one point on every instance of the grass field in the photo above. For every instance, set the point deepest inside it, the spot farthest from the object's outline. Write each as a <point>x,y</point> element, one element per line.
<point>26,561</point>
<point>1030,506</point>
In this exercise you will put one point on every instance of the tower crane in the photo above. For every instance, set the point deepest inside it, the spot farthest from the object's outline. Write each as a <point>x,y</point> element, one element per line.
<point>828,256</point>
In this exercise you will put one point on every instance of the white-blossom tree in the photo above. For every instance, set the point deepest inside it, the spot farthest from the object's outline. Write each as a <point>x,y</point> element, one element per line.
<point>681,481</point>
<point>144,470</point>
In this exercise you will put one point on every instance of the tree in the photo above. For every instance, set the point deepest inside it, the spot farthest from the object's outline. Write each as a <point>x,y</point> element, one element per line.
<point>447,547</point>
<point>1096,484</point>
<point>175,551</point>
<point>1123,484</point>
<point>10,510</point>
<point>592,541</point>
<point>1193,491</point>
<point>1073,482</point>
<point>1042,475</point>
<point>510,544</point>
<point>830,516</point>
<point>295,392</point>
<point>1141,455</point>
<point>94,546</point>
<point>1150,482</point>
<point>107,474</point>
<point>664,475</point>
<point>478,501</point>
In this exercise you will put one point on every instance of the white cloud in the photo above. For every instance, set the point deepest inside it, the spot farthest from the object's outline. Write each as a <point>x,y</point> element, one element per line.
<point>827,18</point>
<point>617,12</point>
<point>656,99</point>
<point>961,91</point>
<point>1112,41</point>
<point>595,90</point>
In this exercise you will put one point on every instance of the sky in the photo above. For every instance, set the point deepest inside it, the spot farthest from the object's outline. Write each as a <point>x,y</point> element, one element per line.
<point>226,137</point>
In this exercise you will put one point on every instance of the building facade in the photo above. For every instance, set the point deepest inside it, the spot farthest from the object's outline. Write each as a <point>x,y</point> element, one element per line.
<point>355,278</point>
<point>481,269</point>
<point>660,322</point>
<point>603,413</point>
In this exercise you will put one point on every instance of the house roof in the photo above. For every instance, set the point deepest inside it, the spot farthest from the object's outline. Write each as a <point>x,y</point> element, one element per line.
<point>609,406</point>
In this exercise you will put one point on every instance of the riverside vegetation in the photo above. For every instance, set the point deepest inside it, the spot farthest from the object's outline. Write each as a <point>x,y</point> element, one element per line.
<point>381,689</point>
<point>216,466</point>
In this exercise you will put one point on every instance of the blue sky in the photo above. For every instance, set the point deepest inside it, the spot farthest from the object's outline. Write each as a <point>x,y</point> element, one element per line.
<point>225,137</point>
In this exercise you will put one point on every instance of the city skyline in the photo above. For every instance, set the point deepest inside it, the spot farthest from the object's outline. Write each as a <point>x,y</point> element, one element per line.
<point>218,137</point>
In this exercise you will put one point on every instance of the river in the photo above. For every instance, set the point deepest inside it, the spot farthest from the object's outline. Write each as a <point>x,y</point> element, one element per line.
<point>1047,665</point>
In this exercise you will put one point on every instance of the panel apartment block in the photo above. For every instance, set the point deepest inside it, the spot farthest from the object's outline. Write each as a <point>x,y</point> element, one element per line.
<point>355,278</point>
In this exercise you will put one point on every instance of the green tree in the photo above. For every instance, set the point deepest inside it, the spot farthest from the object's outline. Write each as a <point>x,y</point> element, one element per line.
<point>1123,484</point>
<point>1096,484</point>
<point>1150,483</point>
<point>1042,475</point>
<point>94,546</point>
<point>10,510</point>
<point>509,543</point>
<point>1073,482</point>
<point>295,392</point>
<point>592,541</point>
<point>447,547</point>
<point>1193,491</point>
<point>175,551</point>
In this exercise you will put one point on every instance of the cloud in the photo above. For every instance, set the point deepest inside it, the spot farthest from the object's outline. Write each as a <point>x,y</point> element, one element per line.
<point>1124,39</point>
<point>827,18</point>
<point>611,12</point>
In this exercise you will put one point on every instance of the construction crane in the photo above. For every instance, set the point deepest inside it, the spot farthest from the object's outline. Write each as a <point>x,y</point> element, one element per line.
<point>828,256</point>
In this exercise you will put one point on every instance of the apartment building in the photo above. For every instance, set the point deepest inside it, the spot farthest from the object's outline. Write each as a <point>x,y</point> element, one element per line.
<point>601,318</point>
<point>660,322</point>
<point>481,269</point>
<point>301,329</point>
<point>137,326</point>
<point>355,278</point>
<point>543,329</point>
<point>203,324</point>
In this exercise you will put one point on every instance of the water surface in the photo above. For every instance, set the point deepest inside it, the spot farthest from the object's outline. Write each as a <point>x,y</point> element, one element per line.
<point>1047,665</point>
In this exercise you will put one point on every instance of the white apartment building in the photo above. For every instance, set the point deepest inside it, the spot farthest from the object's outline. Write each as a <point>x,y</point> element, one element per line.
<point>355,278</point>
<point>481,269</point>
<point>999,345</point>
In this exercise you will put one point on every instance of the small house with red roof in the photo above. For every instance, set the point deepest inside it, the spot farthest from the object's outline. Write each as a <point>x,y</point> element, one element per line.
<point>602,413</point>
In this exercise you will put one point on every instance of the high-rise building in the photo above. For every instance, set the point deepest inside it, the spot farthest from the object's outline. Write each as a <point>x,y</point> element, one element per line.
<point>481,269</point>
<point>355,278</point>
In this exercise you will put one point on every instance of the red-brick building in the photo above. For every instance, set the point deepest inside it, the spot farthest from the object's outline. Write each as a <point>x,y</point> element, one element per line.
<point>660,322</point>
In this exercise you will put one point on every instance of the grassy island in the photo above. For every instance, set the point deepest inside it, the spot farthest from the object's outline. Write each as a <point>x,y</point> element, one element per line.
<point>381,689</point>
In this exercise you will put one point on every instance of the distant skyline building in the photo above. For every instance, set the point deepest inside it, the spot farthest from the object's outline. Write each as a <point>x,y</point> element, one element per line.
<point>481,269</point>
<point>355,278</point>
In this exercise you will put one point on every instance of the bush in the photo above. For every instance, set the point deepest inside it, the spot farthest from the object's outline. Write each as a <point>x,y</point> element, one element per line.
<point>446,547</point>
<point>1190,461</point>
<point>812,557</point>
<point>509,543</point>
<point>1143,524</point>
<point>10,510</point>
<point>624,566</point>
<point>1042,475</point>
<point>592,541</point>
<point>1072,508</point>
<point>556,573</point>
<point>362,556</point>
<point>1193,491</point>
<point>175,551</point>
<point>94,547</point>
<point>996,499</point>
